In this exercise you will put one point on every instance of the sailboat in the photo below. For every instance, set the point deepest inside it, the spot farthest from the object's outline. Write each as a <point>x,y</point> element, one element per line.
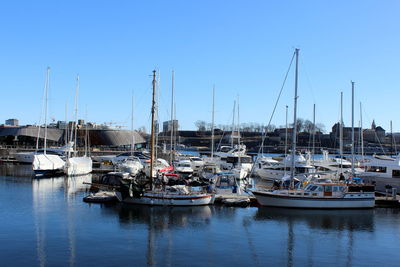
<point>78,165</point>
<point>130,191</point>
<point>317,195</point>
<point>44,164</point>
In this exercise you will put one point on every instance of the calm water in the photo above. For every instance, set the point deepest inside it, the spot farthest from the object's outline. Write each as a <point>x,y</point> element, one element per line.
<point>46,223</point>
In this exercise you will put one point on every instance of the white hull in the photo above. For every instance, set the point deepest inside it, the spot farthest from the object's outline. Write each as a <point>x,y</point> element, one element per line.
<point>78,166</point>
<point>44,163</point>
<point>168,199</point>
<point>347,202</point>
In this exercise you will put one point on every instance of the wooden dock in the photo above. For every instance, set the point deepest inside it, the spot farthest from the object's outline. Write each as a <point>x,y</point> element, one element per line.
<point>387,202</point>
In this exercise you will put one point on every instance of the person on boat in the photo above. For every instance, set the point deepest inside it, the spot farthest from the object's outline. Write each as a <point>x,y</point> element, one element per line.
<point>341,177</point>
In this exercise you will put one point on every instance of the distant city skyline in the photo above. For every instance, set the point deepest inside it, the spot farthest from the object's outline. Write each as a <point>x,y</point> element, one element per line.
<point>243,48</point>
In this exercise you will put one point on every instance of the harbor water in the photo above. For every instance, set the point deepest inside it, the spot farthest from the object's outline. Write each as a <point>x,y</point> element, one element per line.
<point>44,222</point>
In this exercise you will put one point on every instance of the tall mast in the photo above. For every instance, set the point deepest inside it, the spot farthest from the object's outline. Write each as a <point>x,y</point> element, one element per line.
<point>286,136</point>
<point>45,110</point>
<point>76,113</point>
<point>313,135</point>
<point>66,124</point>
<point>341,132</point>
<point>233,121</point>
<point>238,132</point>
<point>361,133</point>
<point>352,129</point>
<point>292,169</point>
<point>172,119</point>
<point>157,118</point>
<point>212,124</point>
<point>133,133</point>
<point>153,104</point>
<point>238,123</point>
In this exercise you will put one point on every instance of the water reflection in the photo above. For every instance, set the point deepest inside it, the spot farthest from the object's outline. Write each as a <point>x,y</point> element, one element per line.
<point>18,170</point>
<point>45,199</point>
<point>353,220</point>
<point>160,218</point>
<point>308,228</point>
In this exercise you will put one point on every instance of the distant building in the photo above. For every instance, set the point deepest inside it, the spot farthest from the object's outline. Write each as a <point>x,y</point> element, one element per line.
<point>375,134</point>
<point>12,122</point>
<point>169,125</point>
<point>61,125</point>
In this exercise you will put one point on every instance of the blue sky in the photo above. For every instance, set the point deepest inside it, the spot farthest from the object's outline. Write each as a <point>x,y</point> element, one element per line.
<point>243,47</point>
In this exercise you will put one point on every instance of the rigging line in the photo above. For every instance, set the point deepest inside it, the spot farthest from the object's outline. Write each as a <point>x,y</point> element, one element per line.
<point>273,112</point>
<point>276,103</point>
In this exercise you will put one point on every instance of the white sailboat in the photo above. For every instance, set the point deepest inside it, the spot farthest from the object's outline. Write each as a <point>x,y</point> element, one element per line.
<point>131,192</point>
<point>78,165</point>
<point>44,164</point>
<point>317,195</point>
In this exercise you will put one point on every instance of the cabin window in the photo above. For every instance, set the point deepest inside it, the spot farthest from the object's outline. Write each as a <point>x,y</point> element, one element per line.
<point>320,188</point>
<point>313,187</point>
<point>376,169</point>
<point>396,173</point>
<point>328,188</point>
<point>336,188</point>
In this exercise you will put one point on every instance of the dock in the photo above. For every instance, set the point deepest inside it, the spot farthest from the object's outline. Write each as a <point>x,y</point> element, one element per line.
<point>387,202</point>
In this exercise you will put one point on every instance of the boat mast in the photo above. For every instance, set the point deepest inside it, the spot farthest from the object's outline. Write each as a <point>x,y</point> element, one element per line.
<point>286,137</point>
<point>341,133</point>
<point>292,169</point>
<point>133,133</point>
<point>76,113</point>
<point>233,121</point>
<point>153,104</point>
<point>212,124</point>
<point>352,129</point>
<point>238,132</point>
<point>45,110</point>
<point>313,136</point>
<point>361,134</point>
<point>171,157</point>
<point>66,128</point>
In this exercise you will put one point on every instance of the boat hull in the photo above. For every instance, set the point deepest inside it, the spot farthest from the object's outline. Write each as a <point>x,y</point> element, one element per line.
<point>47,165</point>
<point>275,200</point>
<point>78,166</point>
<point>164,199</point>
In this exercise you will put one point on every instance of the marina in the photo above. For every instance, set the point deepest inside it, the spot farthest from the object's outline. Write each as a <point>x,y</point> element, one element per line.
<point>199,133</point>
<point>49,222</point>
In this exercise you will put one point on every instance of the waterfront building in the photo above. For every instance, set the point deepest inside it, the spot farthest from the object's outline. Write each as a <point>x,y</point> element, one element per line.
<point>12,122</point>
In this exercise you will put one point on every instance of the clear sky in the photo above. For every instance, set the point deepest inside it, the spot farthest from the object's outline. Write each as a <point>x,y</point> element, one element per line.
<point>243,47</point>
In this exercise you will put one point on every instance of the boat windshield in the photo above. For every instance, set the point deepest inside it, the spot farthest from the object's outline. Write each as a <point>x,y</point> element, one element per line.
<point>311,187</point>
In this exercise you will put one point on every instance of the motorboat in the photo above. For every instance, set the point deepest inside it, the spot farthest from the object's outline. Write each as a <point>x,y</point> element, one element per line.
<point>197,163</point>
<point>131,165</point>
<point>320,196</point>
<point>272,170</point>
<point>183,167</point>
<point>384,171</point>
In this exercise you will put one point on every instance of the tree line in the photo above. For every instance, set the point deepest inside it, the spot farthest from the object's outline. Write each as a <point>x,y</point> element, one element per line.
<point>302,126</point>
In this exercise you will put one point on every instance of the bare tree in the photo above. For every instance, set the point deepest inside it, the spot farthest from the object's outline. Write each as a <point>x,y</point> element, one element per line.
<point>201,125</point>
